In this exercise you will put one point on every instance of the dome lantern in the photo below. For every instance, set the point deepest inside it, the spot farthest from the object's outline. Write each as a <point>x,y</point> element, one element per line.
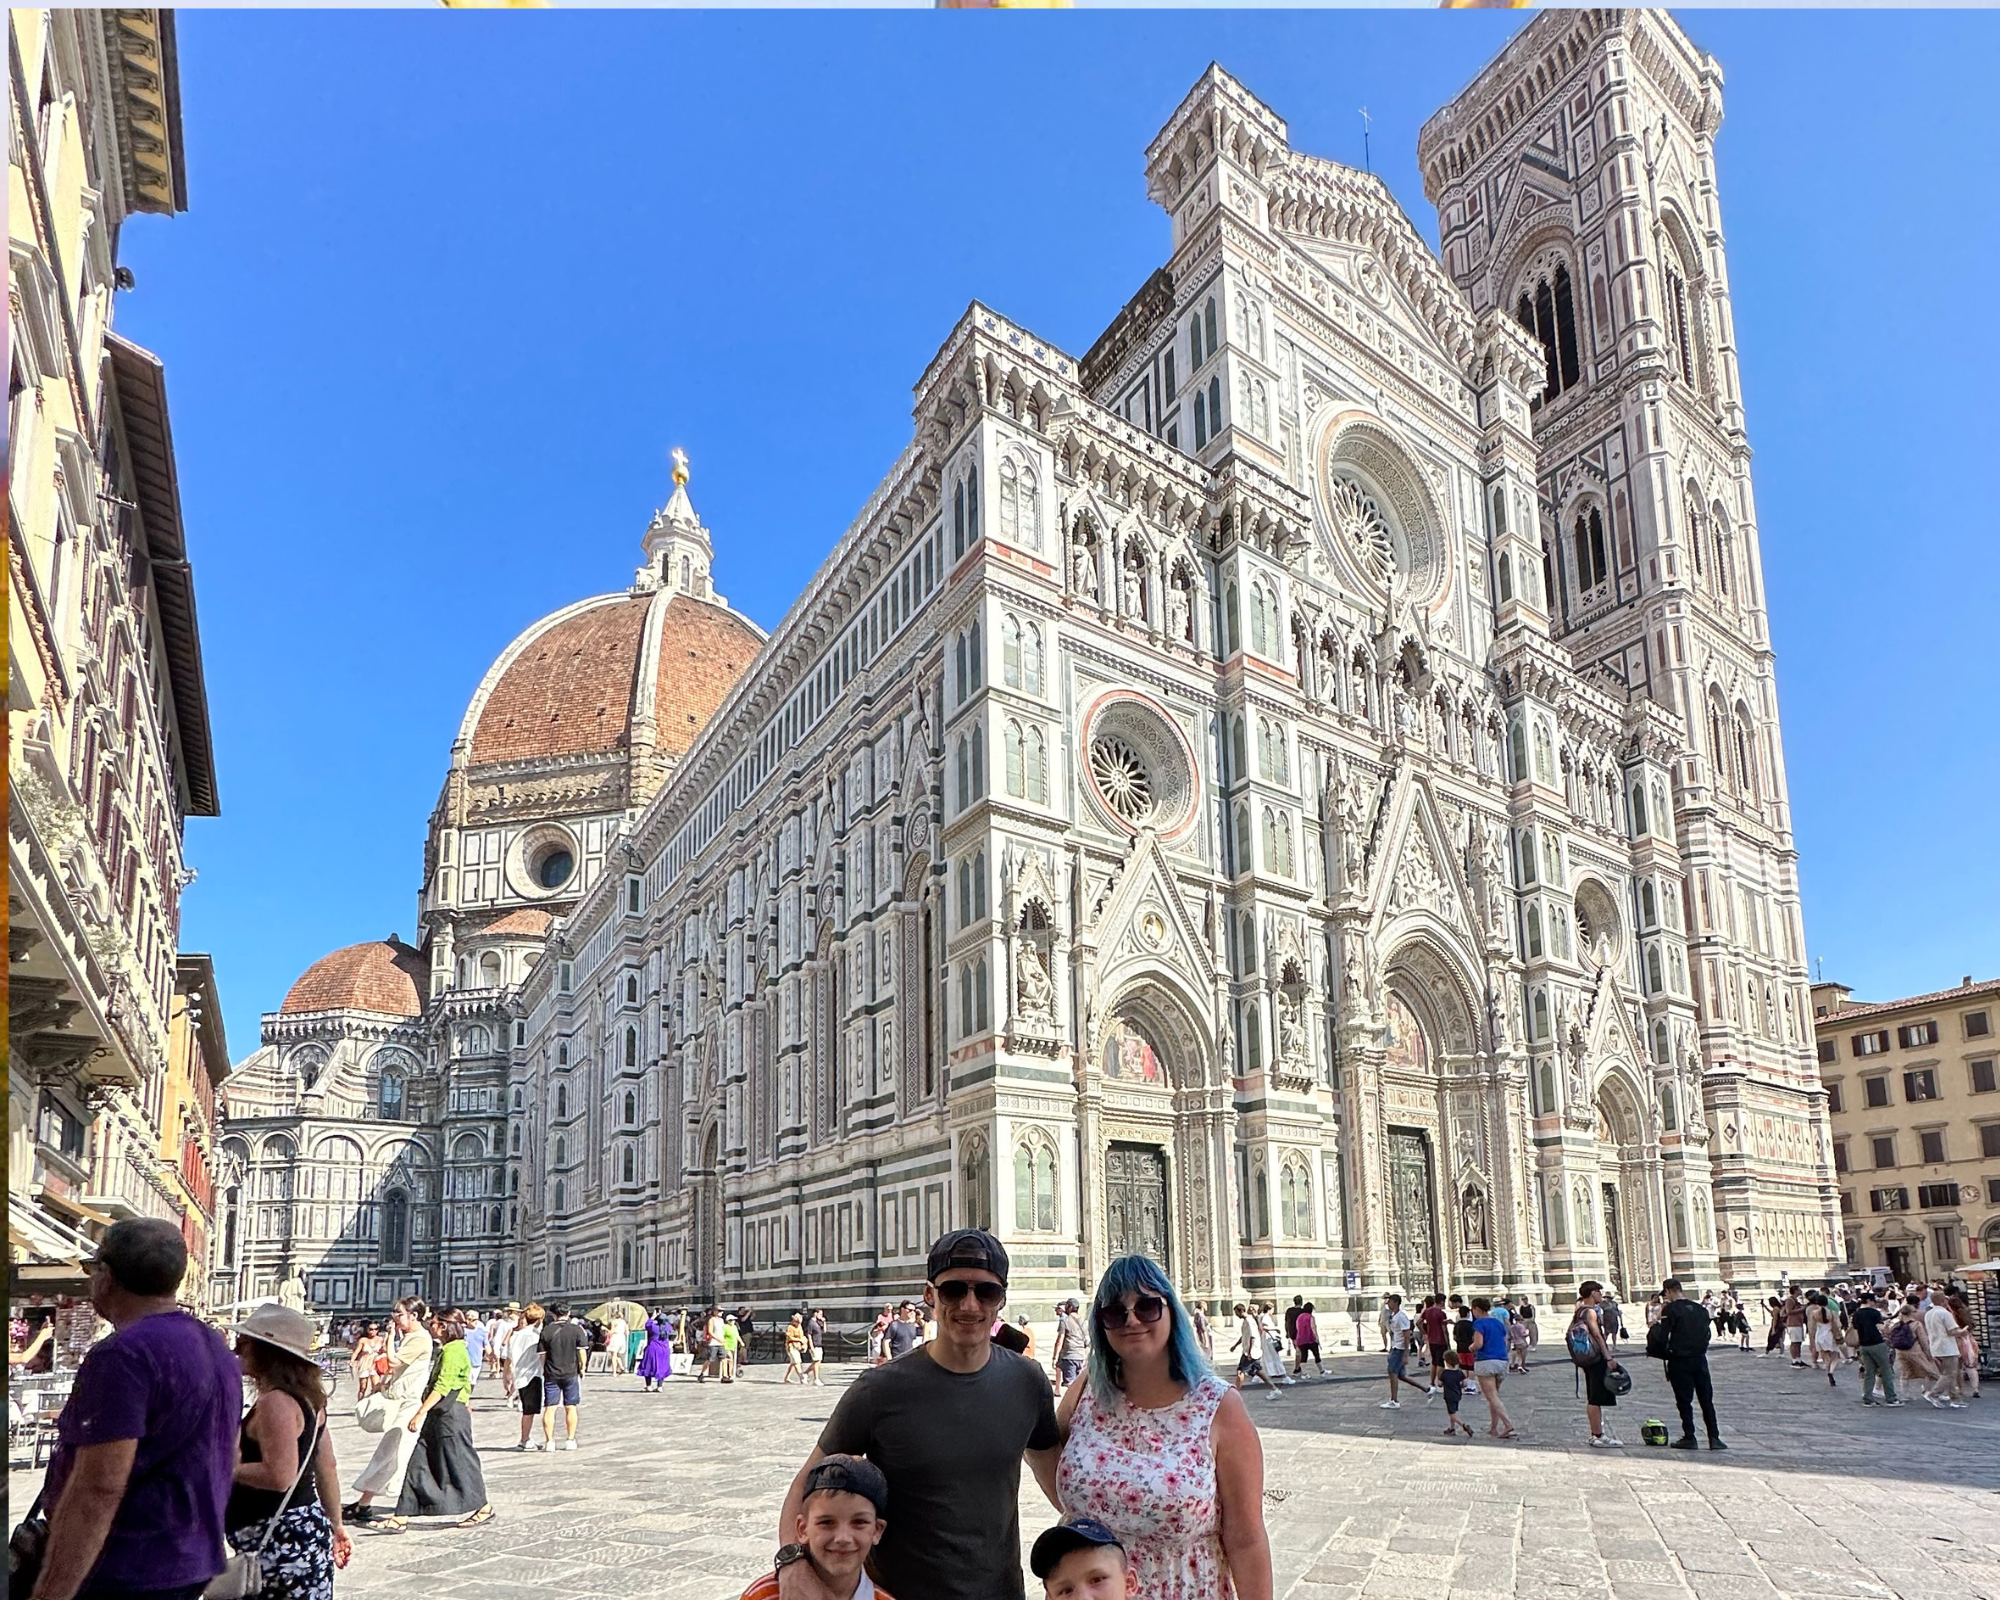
<point>678,550</point>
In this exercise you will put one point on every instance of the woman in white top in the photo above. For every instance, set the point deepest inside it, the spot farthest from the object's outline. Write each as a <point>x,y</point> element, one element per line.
<point>521,1366</point>
<point>620,1347</point>
<point>1160,1450</point>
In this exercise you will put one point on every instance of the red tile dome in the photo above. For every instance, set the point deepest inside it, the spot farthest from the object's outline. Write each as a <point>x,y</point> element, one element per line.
<point>571,684</point>
<point>384,976</point>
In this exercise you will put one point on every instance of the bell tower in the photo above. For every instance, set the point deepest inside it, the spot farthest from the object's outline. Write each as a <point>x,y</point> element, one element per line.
<point>1576,193</point>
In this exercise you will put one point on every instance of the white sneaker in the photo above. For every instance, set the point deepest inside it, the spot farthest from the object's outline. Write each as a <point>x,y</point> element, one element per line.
<point>1390,1405</point>
<point>569,1444</point>
<point>1954,1405</point>
<point>1274,1394</point>
<point>541,1444</point>
<point>1604,1441</point>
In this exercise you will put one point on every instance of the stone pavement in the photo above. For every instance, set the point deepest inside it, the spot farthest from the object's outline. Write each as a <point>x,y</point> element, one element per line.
<point>674,1495</point>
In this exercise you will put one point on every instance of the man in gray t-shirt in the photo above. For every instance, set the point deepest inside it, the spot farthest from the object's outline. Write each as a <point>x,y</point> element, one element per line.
<point>949,1425</point>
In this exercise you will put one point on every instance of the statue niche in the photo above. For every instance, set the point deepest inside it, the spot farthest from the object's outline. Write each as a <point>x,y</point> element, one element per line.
<point>1032,1026</point>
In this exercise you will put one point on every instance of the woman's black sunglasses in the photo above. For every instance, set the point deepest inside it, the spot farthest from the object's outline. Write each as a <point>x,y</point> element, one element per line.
<point>1148,1308</point>
<point>954,1290</point>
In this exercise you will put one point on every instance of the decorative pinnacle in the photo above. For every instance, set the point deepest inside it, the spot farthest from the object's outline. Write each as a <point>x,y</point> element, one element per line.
<point>680,460</point>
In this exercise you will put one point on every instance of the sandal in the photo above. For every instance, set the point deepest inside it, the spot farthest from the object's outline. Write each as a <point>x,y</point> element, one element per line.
<point>483,1514</point>
<point>393,1525</point>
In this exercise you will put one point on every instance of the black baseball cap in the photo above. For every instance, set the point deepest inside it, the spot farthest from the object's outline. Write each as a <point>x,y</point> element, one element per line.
<point>967,1247</point>
<point>849,1475</point>
<point>1077,1533</point>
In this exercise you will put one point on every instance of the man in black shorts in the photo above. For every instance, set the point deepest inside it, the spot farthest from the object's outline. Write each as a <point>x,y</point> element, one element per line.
<point>948,1424</point>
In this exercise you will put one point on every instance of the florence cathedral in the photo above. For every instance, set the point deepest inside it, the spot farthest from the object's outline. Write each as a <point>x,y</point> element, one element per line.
<point>1296,791</point>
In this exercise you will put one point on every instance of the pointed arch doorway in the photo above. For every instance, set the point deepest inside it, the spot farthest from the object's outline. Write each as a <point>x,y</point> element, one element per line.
<point>708,1217</point>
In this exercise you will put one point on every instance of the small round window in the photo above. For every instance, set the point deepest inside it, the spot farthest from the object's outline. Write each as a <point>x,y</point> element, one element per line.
<point>552,866</point>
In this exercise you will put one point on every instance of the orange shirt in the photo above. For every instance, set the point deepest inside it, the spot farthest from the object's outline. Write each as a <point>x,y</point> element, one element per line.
<point>766,1588</point>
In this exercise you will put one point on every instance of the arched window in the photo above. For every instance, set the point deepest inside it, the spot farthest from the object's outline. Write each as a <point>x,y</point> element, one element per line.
<point>1283,864</point>
<point>1261,1187</point>
<point>514,1140</point>
<point>1660,1043</point>
<point>562,1205</point>
<point>1590,563</point>
<point>979,885</point>
<point>1016,768</point>
<point>978,761</point>
<point>625,1259</point>
<point>979,994</point>
<point>514,1180</point>
<point>1295,1199</point>
<point>631,990</point>
<point>1259,640</point>
<point>628,1164</point>
<point>631,1047</point>
<point>562,1100</point>
<point>1680,1224</point>
<point>965,1002</point>
<point>1010,509</point>
<point>964,774</point>
<point>1669,1120</point>
<point>975,1185</point>
<point>1231,627</point>
<point>395,1228</point>
<point>1517,751</point>
<point>1534,930</point>
<point>1214,406</point>
<point>1541,1014</point>
<point>1506,575</point>
<point>958,521</point>
<point>1035,1204</point>
<point>1548,311</point>
<point>1038,766</point>
<point>1679,323</point>
<point>1243,858</point>
<point>1208,324</point>
<point>562,1153</point>
<point>1649,904</point>
<point>1200,419</point>
<point>965,894</point>
<point>517,1097</point>
<point>1639,827</point>
<point>389,1098</point>
<point>1746,752</point>
<point>1653,984</point>
<point>1010,650</point>
<point>631,1109</point>
<point>959,679</point>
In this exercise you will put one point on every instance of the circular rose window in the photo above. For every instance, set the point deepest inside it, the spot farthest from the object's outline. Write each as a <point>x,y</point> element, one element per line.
<point>1121,777</point>
<point>1140,766</point>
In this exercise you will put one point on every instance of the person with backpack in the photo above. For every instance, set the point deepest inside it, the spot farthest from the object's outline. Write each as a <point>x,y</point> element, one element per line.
<point>1591,1354</point>
<point>1679,1337</point>
<point>1873,1351</point>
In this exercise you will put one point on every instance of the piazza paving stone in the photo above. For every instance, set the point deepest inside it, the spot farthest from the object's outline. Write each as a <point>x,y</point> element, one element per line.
<point>674,1495</point>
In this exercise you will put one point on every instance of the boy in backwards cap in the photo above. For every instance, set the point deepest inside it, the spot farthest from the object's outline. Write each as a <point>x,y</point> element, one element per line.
<point>840,1522</point>
<point>1081,1559</point>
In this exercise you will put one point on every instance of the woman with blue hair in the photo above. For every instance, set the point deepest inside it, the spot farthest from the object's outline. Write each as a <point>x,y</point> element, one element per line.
<point>1161,1450</point>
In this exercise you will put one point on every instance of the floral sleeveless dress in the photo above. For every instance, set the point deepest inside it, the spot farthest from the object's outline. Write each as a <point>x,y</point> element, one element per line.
<point>1149,1476</point>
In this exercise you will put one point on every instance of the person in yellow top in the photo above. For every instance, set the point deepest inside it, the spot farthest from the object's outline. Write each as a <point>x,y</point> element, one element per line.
<point>796,1346</point>
<point>444,1479</point>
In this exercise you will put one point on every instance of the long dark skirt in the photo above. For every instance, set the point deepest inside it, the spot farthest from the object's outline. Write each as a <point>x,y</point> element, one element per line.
<point>444,1479</point>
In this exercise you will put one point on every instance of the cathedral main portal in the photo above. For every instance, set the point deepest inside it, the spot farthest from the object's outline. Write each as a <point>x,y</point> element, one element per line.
<point>1135,1202</point>
<point>1412,1213</point>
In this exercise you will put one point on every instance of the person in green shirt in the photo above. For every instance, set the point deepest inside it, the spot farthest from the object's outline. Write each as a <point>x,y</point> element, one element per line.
<point>732,1343</point>
<point>444,1477</point>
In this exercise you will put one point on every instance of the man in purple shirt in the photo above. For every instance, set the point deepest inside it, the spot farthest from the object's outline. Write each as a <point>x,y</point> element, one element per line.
<point>147,1443</point>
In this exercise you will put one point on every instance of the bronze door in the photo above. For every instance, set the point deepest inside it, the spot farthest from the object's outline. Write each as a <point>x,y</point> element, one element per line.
<point>1135,1201</point>
<point>1412,1217</point>
<point>1614,1243</point>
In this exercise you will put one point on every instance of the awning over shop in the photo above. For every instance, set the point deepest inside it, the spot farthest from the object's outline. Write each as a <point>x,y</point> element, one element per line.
<point>44,1239</point>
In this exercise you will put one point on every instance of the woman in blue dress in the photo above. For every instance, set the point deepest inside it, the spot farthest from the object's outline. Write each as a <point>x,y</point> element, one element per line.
<point>656,1364</point>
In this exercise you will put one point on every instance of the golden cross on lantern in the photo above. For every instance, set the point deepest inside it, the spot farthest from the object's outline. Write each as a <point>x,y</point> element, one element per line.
<point>680,460</point>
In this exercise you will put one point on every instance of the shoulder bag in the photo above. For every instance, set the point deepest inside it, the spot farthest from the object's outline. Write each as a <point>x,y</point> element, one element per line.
<point>25,1549</point>
<point>242,1575</point>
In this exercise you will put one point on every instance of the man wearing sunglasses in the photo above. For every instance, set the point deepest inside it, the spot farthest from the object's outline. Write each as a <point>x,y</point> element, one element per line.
<point>949,1425</point>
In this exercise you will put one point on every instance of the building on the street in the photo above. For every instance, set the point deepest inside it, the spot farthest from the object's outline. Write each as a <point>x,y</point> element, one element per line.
<point>197,1062</point>
<point>1915,1105</point>
<point>1297,791</point>
<point>108,740</point>
<point>369,1128</point>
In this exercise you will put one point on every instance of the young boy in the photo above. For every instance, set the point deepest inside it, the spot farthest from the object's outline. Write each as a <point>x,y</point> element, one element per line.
<point>1081,1559</point>
<point>840,1521</point>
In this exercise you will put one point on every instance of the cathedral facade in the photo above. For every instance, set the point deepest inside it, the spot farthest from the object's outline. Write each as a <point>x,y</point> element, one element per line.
<point>1296,791</point>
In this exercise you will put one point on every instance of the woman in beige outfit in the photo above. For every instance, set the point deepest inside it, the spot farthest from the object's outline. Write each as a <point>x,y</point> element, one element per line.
<point>409,1376</point>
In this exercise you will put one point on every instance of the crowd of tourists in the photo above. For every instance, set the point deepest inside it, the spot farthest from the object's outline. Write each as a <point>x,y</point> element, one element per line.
<point>1143,1448</point>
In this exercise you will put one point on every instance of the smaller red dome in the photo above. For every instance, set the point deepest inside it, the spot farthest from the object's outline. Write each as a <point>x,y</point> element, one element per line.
<point>385,976</point>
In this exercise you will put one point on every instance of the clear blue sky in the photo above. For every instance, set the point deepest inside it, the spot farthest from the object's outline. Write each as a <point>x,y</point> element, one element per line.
<point>452,284</point>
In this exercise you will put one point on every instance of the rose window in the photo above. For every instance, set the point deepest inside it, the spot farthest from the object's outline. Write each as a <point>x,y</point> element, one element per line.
<point>1121,777</point>
<point>1360,518</point>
